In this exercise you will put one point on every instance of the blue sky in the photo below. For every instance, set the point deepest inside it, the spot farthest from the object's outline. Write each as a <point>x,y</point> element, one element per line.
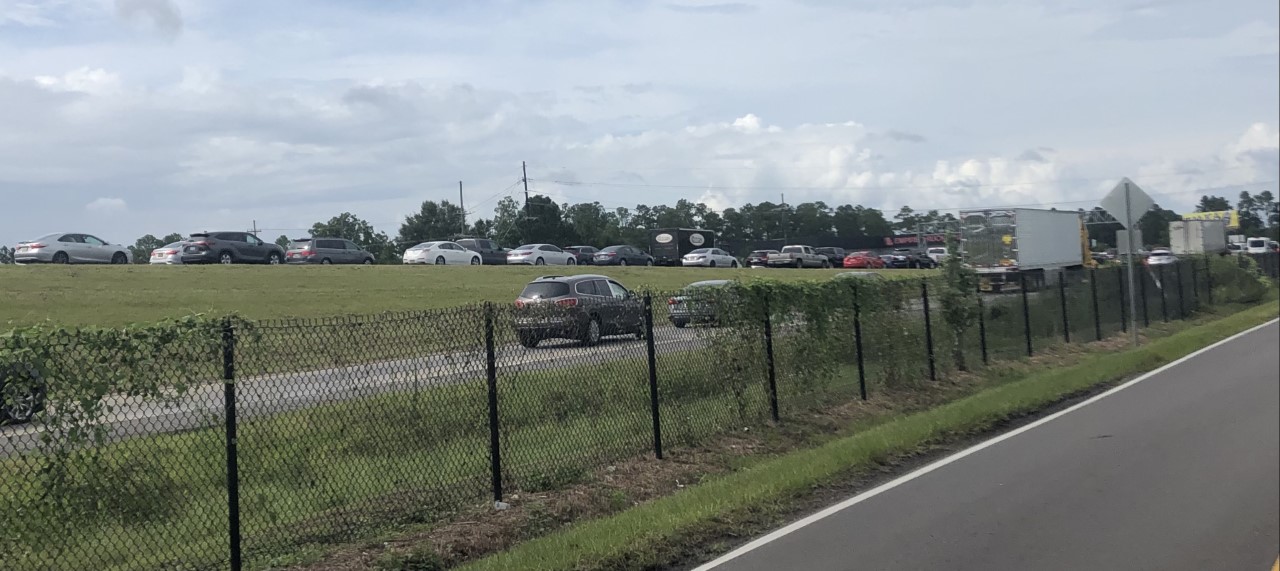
<point>126,117</point>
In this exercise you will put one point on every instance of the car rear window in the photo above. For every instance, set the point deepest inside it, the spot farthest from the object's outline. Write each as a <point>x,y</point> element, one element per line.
<point>792,250</point>
<point>1257,243</point>
<point>541,290</point>
<point>589,288</point>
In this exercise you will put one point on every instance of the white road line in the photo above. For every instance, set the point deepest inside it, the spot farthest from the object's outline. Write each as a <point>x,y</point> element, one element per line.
<point>873,492</point>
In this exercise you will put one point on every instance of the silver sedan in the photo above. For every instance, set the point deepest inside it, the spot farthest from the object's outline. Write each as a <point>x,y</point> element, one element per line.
<point>70,248</point>
<point>168,254</point>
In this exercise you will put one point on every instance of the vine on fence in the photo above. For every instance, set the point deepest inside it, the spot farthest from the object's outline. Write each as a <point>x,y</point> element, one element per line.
<point>959,299</point>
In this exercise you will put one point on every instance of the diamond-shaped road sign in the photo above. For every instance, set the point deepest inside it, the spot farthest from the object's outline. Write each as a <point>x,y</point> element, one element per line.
<point>1138,203</point>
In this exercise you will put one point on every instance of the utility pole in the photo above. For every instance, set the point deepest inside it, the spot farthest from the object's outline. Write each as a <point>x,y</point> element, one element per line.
<point>785,218</point>
<point>255,229</point>
<point>524,177</point>
<point>463,209</point>
<point>1133,250</point>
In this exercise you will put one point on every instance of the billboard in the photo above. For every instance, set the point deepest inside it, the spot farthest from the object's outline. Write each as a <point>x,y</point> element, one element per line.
<point>1230,217</point>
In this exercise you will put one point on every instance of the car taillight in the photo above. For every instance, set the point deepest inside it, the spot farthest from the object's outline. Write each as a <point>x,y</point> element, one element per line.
<point>671,301</point>
<point>570,302</point>
<point>36,246</point>
<point>518,253</point>
<point>519,304</point>
<point>611,254</point>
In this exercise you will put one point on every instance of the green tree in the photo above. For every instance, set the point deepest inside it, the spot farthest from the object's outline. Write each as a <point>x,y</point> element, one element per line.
<point>542,223</point>
<point>506,222</point>
<point>6,255</point>
<point>433,221</point>
<point>1251,220</point>
<point>1155,225</point>
<point>959,299</point>
<point>810,220</point>
<point>283,241</point>
<point>142,248</point>
<point>851,221</point>
<point>1210,203</point>
<point>590,223</point>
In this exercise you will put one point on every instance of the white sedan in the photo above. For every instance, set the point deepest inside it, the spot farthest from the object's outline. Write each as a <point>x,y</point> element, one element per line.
<point>709,257</point>
<point>168,254</point>
<point>541,255</point>
<point>441,254</point>
<point>1161,258</point>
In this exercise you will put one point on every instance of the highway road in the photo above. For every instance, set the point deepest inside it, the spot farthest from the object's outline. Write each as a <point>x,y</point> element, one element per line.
<point>202,406</point>
<point>1178,471</point>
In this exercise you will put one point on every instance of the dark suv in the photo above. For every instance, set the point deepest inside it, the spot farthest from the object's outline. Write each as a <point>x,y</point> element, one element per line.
<point>230,248</point>
<point>586,254</point>
<point>491,254</point>
<point>834,255</point>
<point>327,251</point>
<point>584,308</point>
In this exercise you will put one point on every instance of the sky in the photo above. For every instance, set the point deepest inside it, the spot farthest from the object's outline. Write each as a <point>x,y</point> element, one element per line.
<point>127,117</point>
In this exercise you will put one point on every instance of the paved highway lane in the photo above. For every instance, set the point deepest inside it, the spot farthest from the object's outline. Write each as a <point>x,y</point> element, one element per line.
<point>1179,471</point>
<point>202,406</point>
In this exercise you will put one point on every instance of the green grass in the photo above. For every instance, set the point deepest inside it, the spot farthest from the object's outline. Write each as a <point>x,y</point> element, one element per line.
<point>640,538</point>
<point>113,295</point>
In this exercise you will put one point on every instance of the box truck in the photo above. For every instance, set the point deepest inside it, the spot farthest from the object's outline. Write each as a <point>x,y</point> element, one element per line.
<point>1006,246</point>
<point>1187,237</point>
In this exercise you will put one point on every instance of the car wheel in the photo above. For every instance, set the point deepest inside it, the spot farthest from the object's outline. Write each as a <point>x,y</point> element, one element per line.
<point>439,260</point>
<point>226,258</point>
<point>648,262</point>
<point>711,264</point>
<point>622,262</point>
<point>679,324</point>
<point>591,335</point>
<point>61,258</point>
<point>734,264</point>
<point>799,264</point>
<point>326,262</point>
<point>475,261</point>
<point>368,261</point>
<point>274,259</point>
<point>826,265</point>
<point>119,258</point>
<point>20,403</point>
<point>571,262</point>
<point>539,262</point>
<point>529,340</point>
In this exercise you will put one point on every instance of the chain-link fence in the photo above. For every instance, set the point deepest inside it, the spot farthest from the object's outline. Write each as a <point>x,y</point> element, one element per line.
<point>223,443</point>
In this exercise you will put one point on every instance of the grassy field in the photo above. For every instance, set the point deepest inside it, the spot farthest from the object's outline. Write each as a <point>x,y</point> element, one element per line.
<point>113,295</point>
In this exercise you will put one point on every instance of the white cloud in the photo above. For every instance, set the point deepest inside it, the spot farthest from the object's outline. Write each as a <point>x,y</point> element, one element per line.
<point>85,80</point>
<point>107,206</point>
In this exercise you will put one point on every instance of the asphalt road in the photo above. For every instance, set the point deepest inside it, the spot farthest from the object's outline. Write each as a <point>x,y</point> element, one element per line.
<point>1179,471</point>
<point>202,406</point>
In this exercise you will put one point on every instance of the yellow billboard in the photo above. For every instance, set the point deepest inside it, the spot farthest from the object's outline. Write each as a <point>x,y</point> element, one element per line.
<point>1231,217</point>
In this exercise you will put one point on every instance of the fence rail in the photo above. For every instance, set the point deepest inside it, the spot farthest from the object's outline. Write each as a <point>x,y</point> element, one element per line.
<point>228,444</point>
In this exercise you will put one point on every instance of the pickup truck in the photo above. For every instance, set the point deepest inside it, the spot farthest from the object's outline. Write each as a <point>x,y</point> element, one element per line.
<point>797,257</point>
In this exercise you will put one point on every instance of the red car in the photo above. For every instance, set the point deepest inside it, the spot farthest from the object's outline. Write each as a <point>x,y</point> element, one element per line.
<point>863,260</point>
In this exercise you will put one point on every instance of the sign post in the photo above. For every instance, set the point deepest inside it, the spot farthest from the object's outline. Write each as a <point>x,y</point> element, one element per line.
<point>1123,202</point>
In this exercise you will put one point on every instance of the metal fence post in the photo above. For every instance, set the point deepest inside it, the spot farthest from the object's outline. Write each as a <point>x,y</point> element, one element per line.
<point>1208,278</point>
<point>233,460</point>
<point>653,375</point>
<point>1164,299</point>
<point>1026,311</point>
<point>928,330</point>
<point>857,342</point>
<point>491,373</point>
<point>1142,290</point>
<point>1093,292</point>
<point>982,330</point>
<point>1182,305</point>
<point>1062,298</point>
<point>768,356</point>
<point>1124,312</point>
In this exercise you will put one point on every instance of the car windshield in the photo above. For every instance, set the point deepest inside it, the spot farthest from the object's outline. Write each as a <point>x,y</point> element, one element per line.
<point>541,290</point>
<point>937,250</point>
<point>763,252</point>
<point>612,248</point>
<point>1159,253</point>
<point>1257,243</point>
<point>701,251</point>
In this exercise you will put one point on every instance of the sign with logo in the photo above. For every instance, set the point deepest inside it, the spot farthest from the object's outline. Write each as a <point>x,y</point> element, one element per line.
<point>1230,217</point>
<point>663,238</point>
<point>695,239</point>
<point>913,239</point>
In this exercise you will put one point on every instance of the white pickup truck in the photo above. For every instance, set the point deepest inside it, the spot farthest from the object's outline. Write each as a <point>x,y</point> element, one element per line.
<point>797,257</point>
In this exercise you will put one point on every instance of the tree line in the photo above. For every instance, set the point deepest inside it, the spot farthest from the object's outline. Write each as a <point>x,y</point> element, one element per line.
<point>590,223</point>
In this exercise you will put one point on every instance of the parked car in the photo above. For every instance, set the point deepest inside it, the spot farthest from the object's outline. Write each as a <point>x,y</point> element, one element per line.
<point>326,251</point>
<point>70,248</point>
<point>1256,246</point>
<point>1160,258</point>
<point>230,248</point>
<point>586,254</point>
<point>863,260</point>
<point>937,254</point>
<point>441,253</point>
<point>798,257</point>
<point>710,258</point>
<point>491,254</point>
<point>759,258</point>
<point>834,255</point>
<point>168,254</point>
<point>623,256</point>
<point>916,258</point>
<point>585,308</point>
<point>897,261</point>
<point>541,255</point>
<point>696,303</point>
<point>22,393</point>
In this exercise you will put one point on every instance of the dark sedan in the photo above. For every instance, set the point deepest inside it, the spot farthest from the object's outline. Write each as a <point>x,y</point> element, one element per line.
<point>623,256</point>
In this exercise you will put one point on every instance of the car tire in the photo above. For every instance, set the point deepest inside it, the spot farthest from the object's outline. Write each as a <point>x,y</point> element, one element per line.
<point>539,262</point>
<point>61,258</point>
<point>529,340</point>
<point>20,408</point>
<point>119,258</point>
<point>226,258</point>
<point>679,324</point>
<point>622,262</point>
<point>711,264</point>
<point>591,334</point>
<point>475,261</point>
<point>571,262</point>
<point>275,259</point>
<point>440,260</point>
<point>734,265</point>
<point>368,261</point>
<point>799,264</point>
<point>326,262</point>
<point>648,262</point>
<point>826,265</point>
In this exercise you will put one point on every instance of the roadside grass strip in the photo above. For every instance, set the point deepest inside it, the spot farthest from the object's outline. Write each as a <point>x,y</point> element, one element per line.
<point>642,537</point>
